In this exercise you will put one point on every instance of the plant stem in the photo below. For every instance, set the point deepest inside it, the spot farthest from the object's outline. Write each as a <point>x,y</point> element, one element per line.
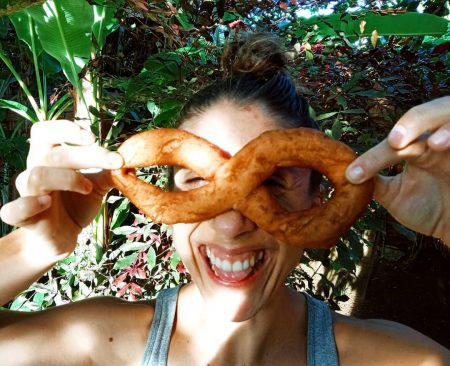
<point>9,65</point>
<point>36,70</point>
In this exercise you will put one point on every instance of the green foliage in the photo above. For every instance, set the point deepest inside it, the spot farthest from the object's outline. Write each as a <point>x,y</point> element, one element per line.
<point>64,29</point>
<point>356,25</point>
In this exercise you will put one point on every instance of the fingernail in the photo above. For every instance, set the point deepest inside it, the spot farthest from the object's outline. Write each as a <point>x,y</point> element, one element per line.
<point>440,138</point>
<point>114,160</point>
<point>355,173</point>
<point>44,200</point>
<point>397,135</point>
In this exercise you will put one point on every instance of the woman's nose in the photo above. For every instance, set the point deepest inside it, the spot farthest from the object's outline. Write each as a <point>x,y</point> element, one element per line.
<point>232,223</point>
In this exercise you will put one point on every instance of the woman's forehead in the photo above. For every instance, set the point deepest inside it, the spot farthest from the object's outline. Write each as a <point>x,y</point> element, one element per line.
<point>230,126</point>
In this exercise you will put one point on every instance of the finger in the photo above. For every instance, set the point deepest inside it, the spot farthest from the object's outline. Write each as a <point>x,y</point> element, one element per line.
<point>380,157</point>
<point>43,180</point>
<point>60,131</point>
<point>425,117</point>
<point>45,135</point>
<point>440,140</point>
<point>23,208</point>
<point>80,157</point>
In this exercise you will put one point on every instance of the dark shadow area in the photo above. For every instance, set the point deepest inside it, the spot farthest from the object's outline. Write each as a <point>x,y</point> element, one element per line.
<point>411,287</point>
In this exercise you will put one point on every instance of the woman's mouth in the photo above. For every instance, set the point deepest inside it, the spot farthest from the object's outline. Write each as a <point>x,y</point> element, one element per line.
<point>233,268</point>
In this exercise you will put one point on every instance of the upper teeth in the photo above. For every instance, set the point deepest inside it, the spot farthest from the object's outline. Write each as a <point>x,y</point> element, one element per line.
<point>235,265</point>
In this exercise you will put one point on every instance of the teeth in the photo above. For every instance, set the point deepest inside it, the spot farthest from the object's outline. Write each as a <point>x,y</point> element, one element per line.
<point>226,266</point>
<point>237,266</point>
<point>233,266</point>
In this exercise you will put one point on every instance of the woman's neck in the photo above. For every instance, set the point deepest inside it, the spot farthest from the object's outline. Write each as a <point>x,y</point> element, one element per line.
<point>278,330</point>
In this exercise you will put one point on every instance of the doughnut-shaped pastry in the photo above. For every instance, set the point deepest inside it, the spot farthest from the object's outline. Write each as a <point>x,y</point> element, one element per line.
<point>236,182</point>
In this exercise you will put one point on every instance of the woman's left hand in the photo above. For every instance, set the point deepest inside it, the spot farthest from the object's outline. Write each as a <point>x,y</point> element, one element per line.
<point>419,197</point>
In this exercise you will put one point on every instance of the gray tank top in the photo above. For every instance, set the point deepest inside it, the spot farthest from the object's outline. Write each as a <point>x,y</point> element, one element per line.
<point>321,346</point>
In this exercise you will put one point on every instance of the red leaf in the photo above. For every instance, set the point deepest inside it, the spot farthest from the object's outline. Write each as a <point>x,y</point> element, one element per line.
<point>120,278</point>
<point>135,288</point>
<point>283,6</point>
<point>181,268</point>
<point>123,290</point>
<point>168,255</point>
<point>141,273</point>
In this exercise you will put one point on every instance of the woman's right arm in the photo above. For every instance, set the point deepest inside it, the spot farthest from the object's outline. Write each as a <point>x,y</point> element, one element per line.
<point>56,202</point>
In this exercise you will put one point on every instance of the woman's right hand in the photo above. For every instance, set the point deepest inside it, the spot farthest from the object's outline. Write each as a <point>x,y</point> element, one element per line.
<point>57,200</point>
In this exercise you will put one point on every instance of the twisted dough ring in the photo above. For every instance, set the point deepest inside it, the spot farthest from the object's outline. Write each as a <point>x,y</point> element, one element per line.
<point>236,182</point>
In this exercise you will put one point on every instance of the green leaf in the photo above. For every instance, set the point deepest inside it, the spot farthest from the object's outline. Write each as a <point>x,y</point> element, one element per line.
<point>125,230</point>
<point>342,101</point>
<point>344,258</point>
<point>38,299</point>
<point>174,260</point>
<point>126,261</point>
<point>167,66</point>
<point>405,24</point>
<point>120,214</point>
<point>151,258</point>
<point>65,28</point>
<point>133,246</point>
<point>228,17</point>
<point>26,31</point>
<point>4,23</point>
<point>349,85</point>
<point>336,129</point>
<point>104,23</point>
<point>354,111</point>
<point>60,105</point>
<point>184,22</point>
<point>372,93</point>
<point>325,116</point>
<point>153,108</point>
<point>20,109</point>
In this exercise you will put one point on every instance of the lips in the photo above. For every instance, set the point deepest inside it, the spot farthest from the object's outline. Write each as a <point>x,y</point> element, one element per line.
<point>233,268</point>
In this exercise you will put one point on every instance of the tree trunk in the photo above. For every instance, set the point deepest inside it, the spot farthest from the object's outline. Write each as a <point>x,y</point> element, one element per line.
<point>11,6</point>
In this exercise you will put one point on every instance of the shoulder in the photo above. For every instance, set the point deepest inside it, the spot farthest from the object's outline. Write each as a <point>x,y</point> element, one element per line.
<point>383,342</point>
<point>91,330</point>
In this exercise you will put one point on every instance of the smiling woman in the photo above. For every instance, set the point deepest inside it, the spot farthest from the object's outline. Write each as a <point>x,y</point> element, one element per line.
<point>237,310</point>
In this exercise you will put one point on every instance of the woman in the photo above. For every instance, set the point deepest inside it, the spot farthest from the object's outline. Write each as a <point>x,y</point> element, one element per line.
<point>244,316</point>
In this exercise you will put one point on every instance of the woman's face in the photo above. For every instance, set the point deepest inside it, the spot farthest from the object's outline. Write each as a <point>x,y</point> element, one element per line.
<point>238,268</point>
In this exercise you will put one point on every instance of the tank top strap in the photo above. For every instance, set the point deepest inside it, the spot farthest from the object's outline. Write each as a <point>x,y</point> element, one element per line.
<point>321,345</point>
<point>157,347</point>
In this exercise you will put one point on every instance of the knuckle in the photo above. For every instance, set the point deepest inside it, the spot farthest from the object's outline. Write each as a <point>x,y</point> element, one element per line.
<point>21,181</point>
<point>37,175</point>
<point>56,157</point>
<point>35,129</point>
<point>417,113</point>
<point>4,214</point>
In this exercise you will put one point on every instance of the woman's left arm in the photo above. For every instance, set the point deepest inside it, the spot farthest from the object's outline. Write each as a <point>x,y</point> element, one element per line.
<point>419,197</point>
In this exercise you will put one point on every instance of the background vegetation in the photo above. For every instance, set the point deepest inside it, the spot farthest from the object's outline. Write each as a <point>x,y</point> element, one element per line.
<point>127,66</point>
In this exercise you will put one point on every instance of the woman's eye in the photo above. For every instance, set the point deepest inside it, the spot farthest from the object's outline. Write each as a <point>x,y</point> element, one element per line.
<point>195,181</point>
<point>274,183</point>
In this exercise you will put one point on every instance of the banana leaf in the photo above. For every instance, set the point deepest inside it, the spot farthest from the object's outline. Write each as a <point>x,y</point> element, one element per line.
<point>356,25</point>
<point>65,30</point>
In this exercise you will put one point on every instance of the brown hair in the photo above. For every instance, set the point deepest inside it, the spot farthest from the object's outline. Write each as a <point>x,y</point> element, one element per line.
<point>255,71</point>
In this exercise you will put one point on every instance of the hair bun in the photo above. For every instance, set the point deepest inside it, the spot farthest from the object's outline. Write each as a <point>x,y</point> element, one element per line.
<point>259,54</point>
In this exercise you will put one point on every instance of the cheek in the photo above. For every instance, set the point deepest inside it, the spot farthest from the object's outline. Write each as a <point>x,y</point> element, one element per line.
<point>292,256</point>
<point>181,240</point>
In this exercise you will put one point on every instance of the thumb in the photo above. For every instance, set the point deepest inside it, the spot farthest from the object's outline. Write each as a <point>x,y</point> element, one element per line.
<point>18,211</point>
